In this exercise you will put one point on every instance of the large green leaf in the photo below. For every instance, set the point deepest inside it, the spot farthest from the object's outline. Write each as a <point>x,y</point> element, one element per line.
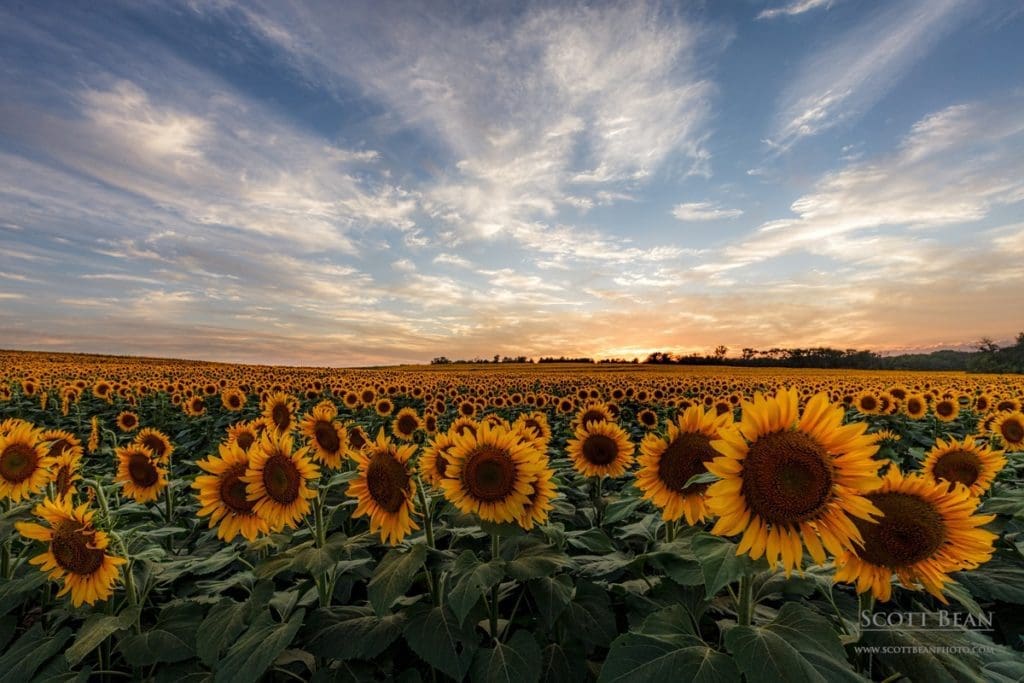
<point>517,660</point>
<point>394,575</point>
<point>719,562</point>
<point>589,616</point>
<point>353,632</point>
<point>436,636</point>
<point>172,639</point>
<point>798,645</point>
<point>552,595</point>
<point>533,559</point>
<point>14,592</point>
<point>472,579</point>
<point>259,646</point>
<point>224,622</point>
<point>1001,578</point>
<point>95,630</point>
<point>27,654</point>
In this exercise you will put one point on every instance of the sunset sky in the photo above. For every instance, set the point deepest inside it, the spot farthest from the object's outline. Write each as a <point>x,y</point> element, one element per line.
<point>345,183</point>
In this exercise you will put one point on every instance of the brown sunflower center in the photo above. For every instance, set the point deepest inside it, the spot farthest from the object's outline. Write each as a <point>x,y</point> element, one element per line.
<point>356,439</point>
<point>592,415</point>
<point>958,466</point>
<point>868,403</point>
<point>407,424</point>
<point>787,477</point>
<point>281,479</point>
<point>155,444</point>
<point>234,401</point>
<point>18,462</point>
<point>533,425</point>
<point>1012,431</point>
<point>599,449</point>
<point>128,420</point>
<point>233,493</point>
<point>245,440</point>
<point>648,418</point>
<point>388,481</point>
<point>58,447</point>
<point>915,406</point>
<point>326,436</point>
<point>684,458</point>
<point>441,462</point>
<point>63,480</point>
<point>281,416</point>
<point>944,408</point>
<point>911,530</point>
<point>489,474</point>
<point>70,548</point>
<point>142,470</point>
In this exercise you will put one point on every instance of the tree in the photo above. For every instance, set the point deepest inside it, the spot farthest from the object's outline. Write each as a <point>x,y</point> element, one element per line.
<point>720,351</point>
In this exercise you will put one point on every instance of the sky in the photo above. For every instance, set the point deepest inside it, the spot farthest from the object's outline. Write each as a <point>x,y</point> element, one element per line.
<point>358,183</point>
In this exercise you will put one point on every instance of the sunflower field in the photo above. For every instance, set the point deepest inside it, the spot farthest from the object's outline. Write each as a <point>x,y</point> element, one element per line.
<point>172,520</point>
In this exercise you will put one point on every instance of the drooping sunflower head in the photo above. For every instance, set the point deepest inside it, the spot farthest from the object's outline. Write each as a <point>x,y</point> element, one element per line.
<point>277,480</point>
<point>357,438</point>
<point>385,489</point>
<point>462,426</point>
<point>1010,428</point>
<point>789,479</point>
<point>24,462</point>
<point>327,438</point>
<point>963,462</point>
<point>279,411</point>
<point>433,461</point>
<point>223,497</point>
<point>539,503</point>
<point>535,426</point>
<point>946,409</point>
<point>127,421</point>
<point>139,471</point>
<point>243,434</point>
<point>405,424</point>
<point>76,551</point>
<point>926,532</point>
<point>668,463</point>
<point>157,442</point>
<point>600,449</point>
<point>66,451</point>
<point>491,473</point>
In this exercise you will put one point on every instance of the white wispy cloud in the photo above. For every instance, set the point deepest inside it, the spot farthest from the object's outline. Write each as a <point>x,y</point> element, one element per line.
<point>703,211</point>
<point>794,8</point>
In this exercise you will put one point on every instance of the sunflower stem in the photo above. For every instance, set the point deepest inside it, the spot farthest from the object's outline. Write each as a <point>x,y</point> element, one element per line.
<point>428,528</point>
<point>745,607</point>
<point>598,499</point>
<point>495,554</point>
<point>865,603</point>
<point>670,531</point>
<point>5,547</point>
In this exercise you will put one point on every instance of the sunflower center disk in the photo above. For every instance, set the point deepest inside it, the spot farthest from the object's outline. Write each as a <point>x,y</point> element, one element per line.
<point>489,474</point>
<point>245,440</point>
<point>787,477</point>
<point>1013,431</point>
<point>70,548</point>
<point>233,492</point>
<point>58,447</point>
<point>281,479</point>
<point>154,444</point>
<point>326,436</point>
<point>684,458</point>
<point>599,449</point>
<point>407,424</point>
<point>142,470</point>
<point>281,416</point>
<point>958,466</point>
<point>18,462</point>
<point>911,530</point>
<point>356,440</point>
<point>592,416</point>
<point>387,481</point>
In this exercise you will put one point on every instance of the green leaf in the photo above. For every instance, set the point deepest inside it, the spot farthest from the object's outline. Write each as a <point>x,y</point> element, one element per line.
<point>517,660</point>
<point>474,579</point>
<point>798,645</point>
<point>932,655</point>
<point>618,510</point>
<point>95,630</point>
<point>589,616</point>
<point>353,632</point>
<point>220,627</point>
<point>593,540</point>
<point>172,639</point>
<point>31,651</point>
<point>603,565</point>
<point>14,592</point>
<point>702,478</point>
<point>258,647</point>
<point>394,575</point>
<point>192,566</point>
<point>647,659</point>
<point>1001,578</point>
<point>719,562</point>
<point>552,595</point>
<point>436,636</point>
<point>534,559</point>
<point>559,666</point>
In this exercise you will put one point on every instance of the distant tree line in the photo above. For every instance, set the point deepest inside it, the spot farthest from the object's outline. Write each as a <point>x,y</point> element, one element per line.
<point>444,360</point>
<point>991,358</point>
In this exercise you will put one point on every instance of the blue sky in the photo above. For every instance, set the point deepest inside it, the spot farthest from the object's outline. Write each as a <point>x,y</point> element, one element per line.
<point>362,183</point>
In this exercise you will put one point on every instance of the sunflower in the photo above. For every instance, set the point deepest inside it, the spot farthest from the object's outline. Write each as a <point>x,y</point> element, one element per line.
<point>867,402</point>
<point>946,409</point>
<point>538,505</point>
<point>789,479</point>
<point>77,551</point>
<point>926,532</point>
<point>357,437</point>
<point>429,422</point>
<point>433,461</point>
<point>384,407</point>
<point>24,462</point>
<point>916,406</point>
<point>233,399</point>
<point>647,418</point>
<point>666,464</point>
<point>964,462</point>
<point>127,421</point>
<point>66,451</point>
<point>194,406</point>
<point>385,489</point>
<point>590,413</point>
<point>327,438</point>
<point>244,434</point>
<point>600,449</point>
<point>157,442</point>
<point>491,473</point>
<point>405,424</point>
<point>535,425</point>
<point>140,472</point>
<point>1010,427</point>
<point>462,426</point>
<point>276,480</point>
<point>279,411</point>
<point>222,495</point>
<point>94,435</point>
